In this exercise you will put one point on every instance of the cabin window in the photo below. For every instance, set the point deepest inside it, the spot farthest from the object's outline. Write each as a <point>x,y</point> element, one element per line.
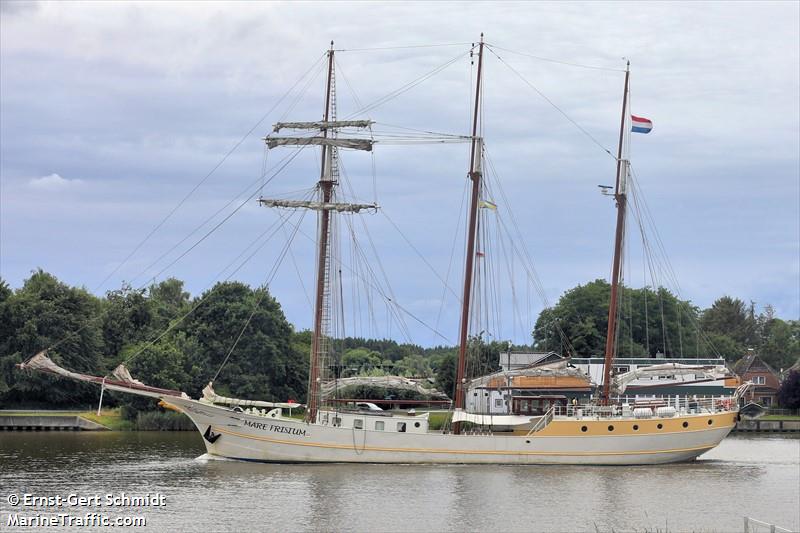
<point>621,369</point>
<point>416,424</point>
<point>337,421</point>
<point>379,425</point>
<point>358,423</point>
<point>401,427</point>
<point>498,402</point>
<point>474,393</point>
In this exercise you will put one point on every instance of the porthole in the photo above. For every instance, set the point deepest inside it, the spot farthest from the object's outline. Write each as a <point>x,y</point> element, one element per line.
<point>611,428</point>
<point>584,429</point>
<point>416,424</point>
<point>636,427</point>
<point>660,426</point>
<point>686,424</point>
<point>527,442</point>
<point>710,421</point>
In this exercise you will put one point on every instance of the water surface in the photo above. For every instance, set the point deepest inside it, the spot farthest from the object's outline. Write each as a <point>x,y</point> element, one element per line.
<point>756,476</point>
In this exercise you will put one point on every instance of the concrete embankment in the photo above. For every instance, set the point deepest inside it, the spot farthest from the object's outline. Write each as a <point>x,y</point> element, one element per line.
<point>768,426</point>
<point>48,423</point>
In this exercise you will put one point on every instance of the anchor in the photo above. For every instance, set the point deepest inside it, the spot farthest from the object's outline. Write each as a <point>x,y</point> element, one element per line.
<point>210,436</point>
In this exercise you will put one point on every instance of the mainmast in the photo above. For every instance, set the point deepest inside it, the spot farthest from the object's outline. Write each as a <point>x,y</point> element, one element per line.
<point>330,142</point>
<point>475,176</point>
<point>620,197</point>
<point>318,343</point>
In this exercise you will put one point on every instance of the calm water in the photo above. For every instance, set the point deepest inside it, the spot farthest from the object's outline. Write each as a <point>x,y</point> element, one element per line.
<point>745,476</point>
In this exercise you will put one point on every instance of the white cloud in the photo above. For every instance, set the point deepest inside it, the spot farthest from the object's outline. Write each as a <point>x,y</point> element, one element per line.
<point>54,182</point>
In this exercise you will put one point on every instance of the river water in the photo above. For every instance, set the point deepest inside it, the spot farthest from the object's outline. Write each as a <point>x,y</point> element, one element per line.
<point>755,476</point>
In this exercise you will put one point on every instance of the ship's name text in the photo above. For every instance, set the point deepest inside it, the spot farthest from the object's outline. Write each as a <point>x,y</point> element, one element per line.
<point>275,429</point>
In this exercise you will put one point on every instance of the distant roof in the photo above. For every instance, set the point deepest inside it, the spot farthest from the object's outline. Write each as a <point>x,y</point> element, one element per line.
<point>743,365</point>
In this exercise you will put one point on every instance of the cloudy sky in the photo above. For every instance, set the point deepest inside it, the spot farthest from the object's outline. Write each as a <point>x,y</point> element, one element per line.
<point>112,113</point>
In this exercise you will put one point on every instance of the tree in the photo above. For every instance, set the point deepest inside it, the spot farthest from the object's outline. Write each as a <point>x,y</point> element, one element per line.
<point>413,365</point>
<point>127,318</point>
<point>359,362</point>
<point>732,318</point>
<point>251,327</point>
<point>446,373</point>
<point>47,313</point>
<point>649,322</point>
<point>169,301</point>
<point>789,392</point>
<point>780,346</point>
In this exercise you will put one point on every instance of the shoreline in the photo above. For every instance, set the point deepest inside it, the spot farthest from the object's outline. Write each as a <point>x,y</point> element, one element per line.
<point>111,420</point>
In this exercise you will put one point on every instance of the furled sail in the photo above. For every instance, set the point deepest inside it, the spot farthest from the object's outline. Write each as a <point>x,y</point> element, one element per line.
<point>317,206</point>
<point>711,373</point>
<point>121,379</point>
<point>355,144</point>
<point>386,382</point>
<point>322,125</point>
<point>212,397</point>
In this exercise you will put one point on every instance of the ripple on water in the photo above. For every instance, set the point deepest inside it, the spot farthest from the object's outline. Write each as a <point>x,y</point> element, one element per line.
<point>744,476</point>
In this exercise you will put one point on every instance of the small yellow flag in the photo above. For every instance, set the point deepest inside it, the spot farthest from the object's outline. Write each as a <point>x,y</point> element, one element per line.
<point>488,205</point>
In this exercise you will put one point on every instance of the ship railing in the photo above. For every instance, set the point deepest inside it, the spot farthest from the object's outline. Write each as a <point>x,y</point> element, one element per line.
<point>544,420</point>
<point>751,525</point>
<point>659,406</point>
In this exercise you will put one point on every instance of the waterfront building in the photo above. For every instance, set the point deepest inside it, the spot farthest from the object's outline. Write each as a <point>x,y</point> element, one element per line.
<point>766,380</point>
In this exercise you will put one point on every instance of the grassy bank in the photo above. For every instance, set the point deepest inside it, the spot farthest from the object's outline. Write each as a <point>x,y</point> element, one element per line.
<point>110,418</point>
<point>780,417</point>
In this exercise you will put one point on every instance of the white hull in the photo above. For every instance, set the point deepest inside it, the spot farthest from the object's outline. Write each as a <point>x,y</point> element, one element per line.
<point>243,436</point>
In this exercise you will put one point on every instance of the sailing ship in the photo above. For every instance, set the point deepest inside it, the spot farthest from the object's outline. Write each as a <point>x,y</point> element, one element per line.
<point>601,432</point>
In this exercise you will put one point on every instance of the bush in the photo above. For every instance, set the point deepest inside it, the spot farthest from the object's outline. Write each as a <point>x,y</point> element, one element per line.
<point>163,421</point>
<point>789,393</point>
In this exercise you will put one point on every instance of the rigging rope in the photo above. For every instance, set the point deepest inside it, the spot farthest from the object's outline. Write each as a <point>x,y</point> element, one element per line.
<point>565,115</point>
<point>400,47</point>
<point>205,178</point>
<point>264,291</point>
<point>558,61</point>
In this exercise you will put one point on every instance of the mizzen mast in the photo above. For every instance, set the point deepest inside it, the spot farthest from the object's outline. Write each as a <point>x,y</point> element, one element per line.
<point>329,141</point>
<point>475,173</point>
<point>620,197</point>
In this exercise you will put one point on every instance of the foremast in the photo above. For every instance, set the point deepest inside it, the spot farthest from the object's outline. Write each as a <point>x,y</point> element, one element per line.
<point>475,174</point>
<point>620,198</point>
<point>326,205</point>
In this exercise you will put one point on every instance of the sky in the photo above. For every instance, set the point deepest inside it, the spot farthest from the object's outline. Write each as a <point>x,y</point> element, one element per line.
<point>111,114</point>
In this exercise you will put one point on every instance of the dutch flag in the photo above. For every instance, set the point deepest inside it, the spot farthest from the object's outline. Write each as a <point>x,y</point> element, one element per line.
<point>641,125</point>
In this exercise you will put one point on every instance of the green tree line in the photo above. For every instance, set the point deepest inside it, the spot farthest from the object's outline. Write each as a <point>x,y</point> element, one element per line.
<point>653,321</point>
<point>269,360</point>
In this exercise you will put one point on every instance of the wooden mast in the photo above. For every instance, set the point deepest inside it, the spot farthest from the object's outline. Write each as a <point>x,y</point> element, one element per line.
<point>326,191</point>
<point>620,196</point>
<point>475,176</point>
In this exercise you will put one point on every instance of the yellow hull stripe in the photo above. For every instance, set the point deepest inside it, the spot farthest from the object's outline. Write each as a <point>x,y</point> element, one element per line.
<point>461,452</point>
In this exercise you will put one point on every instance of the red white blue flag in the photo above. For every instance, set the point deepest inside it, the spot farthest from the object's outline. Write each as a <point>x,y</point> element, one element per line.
<point>641,125</point>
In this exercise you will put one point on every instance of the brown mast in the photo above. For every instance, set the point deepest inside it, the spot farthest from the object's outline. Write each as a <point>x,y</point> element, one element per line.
<point>620,196</point>
<point>475,176</point>
<point>326,189</point>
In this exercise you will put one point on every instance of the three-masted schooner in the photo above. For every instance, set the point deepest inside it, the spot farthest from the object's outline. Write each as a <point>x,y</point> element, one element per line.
<point>597,433</point>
